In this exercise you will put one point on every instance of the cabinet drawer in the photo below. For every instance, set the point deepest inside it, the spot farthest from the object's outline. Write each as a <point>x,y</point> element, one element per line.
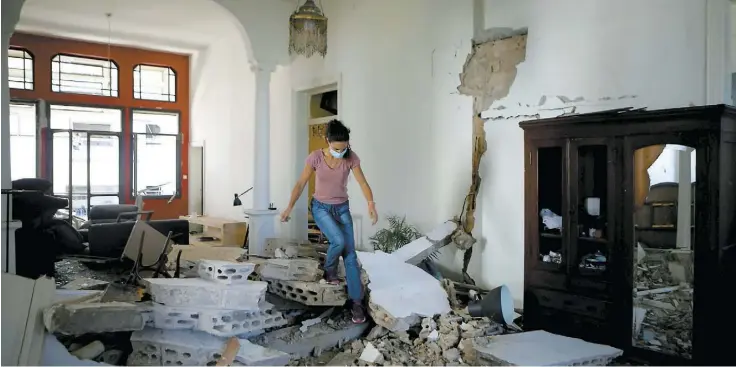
<point>572,303</point>
<point>548,279</point>
<point>595,287</point>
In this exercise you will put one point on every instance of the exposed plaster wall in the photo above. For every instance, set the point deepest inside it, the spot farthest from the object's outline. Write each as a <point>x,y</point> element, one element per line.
<point>222,117</point>
<point>581,56</point>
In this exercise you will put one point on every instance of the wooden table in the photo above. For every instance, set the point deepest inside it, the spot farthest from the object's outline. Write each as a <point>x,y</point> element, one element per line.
<point>229,232</point>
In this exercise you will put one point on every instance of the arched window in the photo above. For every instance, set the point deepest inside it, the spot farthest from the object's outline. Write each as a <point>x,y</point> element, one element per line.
<point>20,69</point>
<point>155,83</point>
<point>84,75</point>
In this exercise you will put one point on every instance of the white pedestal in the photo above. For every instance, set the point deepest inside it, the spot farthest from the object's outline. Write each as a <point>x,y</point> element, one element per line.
<point>260,228</point>
<point>8,250</point>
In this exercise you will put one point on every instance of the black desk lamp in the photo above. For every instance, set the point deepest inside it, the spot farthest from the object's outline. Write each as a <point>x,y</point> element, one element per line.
<point>236,201</point>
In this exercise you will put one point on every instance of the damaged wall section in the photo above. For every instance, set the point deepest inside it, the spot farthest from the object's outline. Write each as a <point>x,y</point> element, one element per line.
<point>487,75</point>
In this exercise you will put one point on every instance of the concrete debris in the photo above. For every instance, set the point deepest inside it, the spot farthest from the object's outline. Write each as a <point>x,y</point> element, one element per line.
<point>194,348</point>
<point>306,270</point>
<point>85,284</point>
<point>370,354</point>
<point>84,318</point>
<point>290,249</point>
<point>541,348</point>
<point>225,272</point>
<point>398,305</point>
<point>314,321</point>
<point>416,251</point>
<point>90,351</point>
<point>377,332</point>
<point>309,293</point>
<point>317,338</point>
<point>663,301</point>
<point>202,293</point>
<point>217,322</point>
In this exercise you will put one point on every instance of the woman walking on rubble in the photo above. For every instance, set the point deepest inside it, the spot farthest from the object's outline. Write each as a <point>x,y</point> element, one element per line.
<point>331,208</point>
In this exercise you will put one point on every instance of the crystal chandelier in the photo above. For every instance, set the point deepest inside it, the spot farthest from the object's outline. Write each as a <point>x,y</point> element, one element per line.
<point>308,30</point>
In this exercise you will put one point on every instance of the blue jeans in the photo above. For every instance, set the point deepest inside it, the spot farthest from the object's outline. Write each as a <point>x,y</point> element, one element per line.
<point>335,222</point>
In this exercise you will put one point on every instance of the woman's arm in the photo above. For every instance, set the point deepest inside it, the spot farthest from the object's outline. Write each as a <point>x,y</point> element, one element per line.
<point>300,184</point>
<point>367,192</point>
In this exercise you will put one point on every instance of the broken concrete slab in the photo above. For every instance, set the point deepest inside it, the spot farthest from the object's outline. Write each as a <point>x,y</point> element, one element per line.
<point>83,318</point>
<point>400,294</point>
<point>195,348</point>
<point>416,251</point>
<point>196,292</point>
<point>306,270</point>
<point>317,338</point>
<point>225,272</point>
<point>85,284</point>
<point>549,350</point>
<point>343,359</point>
<point>192,253</point>
<point>291,248</point>
<point>309,293</point>
<point>218,322</point>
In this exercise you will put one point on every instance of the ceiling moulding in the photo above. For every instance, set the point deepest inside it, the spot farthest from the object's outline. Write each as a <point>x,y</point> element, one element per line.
<point>145,41</point>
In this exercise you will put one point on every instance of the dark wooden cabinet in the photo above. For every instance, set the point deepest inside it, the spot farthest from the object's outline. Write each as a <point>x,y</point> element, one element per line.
<point>629,231</point>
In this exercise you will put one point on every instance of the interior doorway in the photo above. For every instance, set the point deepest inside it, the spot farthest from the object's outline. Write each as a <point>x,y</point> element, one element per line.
<point>323,107</point>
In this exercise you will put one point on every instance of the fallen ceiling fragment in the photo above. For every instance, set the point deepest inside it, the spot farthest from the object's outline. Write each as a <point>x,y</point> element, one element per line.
<point>400,293</point>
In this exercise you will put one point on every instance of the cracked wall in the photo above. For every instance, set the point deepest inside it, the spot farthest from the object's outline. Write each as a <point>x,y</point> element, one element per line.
<point>487,75</point>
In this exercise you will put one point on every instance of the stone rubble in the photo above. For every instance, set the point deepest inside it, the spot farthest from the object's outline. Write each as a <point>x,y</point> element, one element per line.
<point>192,318</point>
<point>663,301</point>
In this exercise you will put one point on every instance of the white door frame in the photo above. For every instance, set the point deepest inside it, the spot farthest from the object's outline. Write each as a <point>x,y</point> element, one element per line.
<point>300,95</point>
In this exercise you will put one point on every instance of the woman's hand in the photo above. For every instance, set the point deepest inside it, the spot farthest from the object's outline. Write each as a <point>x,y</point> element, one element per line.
<point>285,215</point>
<point>372,212</point>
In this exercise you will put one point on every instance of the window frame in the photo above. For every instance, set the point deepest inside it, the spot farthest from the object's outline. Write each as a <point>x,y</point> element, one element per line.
<point>33,69</point>
<point>176,83</point>
<point>39,130</point>
<point>134,152</point>
<point>111,60</point>
<point>49,144</point>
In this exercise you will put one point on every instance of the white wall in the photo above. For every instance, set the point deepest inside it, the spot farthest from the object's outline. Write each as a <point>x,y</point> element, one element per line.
<point>398,66</point>
<point>222,113</point>
<point>603,51</point>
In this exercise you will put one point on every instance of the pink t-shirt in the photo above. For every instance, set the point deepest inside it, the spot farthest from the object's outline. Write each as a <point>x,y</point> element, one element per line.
<point>331,184</point>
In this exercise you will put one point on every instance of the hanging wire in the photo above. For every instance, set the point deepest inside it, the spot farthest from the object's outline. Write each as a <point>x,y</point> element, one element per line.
<point>109,59</point>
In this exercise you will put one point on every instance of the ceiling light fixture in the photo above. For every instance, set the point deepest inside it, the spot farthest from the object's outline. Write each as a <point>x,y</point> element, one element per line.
<point>308,30</point>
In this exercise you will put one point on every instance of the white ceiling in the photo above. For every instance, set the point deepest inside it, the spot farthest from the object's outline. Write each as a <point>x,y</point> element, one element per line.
<point>182,26</point>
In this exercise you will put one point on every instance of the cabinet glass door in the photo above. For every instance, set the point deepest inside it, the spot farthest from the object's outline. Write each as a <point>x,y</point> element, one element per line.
<point>592,235</point>
<point>551,205</point>
<point>664,188</point>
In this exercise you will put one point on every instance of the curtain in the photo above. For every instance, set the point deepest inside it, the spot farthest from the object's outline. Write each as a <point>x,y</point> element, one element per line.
<point>643,159</point>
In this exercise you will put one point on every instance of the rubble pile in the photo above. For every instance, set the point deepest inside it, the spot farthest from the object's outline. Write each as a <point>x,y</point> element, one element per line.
<point>663,302</point>
<point>441,340</point>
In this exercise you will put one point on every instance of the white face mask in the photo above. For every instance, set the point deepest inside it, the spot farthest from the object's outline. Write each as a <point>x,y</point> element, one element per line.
<point>338,154</point>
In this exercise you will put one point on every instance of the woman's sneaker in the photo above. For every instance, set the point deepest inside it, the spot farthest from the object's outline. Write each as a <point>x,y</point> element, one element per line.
<point>358,313</point>
<point>332,280</point>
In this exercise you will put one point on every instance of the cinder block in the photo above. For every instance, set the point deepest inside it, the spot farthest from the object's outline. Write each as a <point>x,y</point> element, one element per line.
<point>200,293</point>
<point>217,322</point>
<point>195,348</point>
<point>231,323</point>
<point>306,270</point>
<point>309,293</point>
<point>226,272</point>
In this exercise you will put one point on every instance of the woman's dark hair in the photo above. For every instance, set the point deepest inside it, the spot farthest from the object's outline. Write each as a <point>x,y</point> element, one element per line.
<point>337,131</point>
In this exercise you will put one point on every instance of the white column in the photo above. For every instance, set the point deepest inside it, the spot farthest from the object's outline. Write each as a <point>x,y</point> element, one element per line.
<point>684,198</point>
<point>717,48</point>
<point>10,16</point>
<point>261,222</point>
